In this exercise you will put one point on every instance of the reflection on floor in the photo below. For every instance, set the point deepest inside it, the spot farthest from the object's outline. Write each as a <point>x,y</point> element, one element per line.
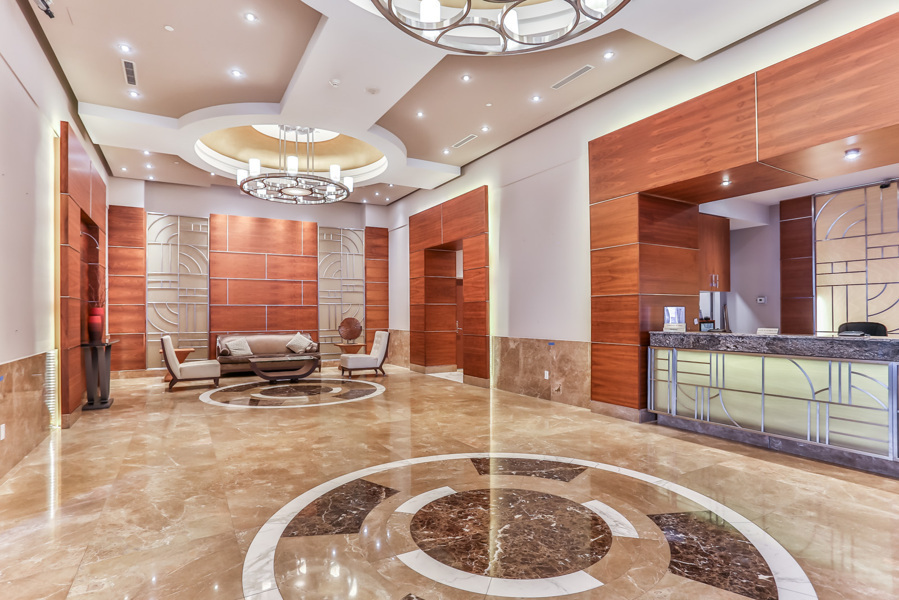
<point>453,376</point>
<point>425,491</point>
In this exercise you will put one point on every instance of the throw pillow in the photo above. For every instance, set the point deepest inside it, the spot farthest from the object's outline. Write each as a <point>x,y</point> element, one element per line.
<point>239,347</point>
<point>299,343</point>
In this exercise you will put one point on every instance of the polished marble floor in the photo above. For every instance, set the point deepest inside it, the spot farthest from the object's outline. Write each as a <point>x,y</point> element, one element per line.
<point>425,488</point>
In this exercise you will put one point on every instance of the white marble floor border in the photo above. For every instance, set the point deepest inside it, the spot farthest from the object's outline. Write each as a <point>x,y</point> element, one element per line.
<point>207,396</point>
<point>259,580</point>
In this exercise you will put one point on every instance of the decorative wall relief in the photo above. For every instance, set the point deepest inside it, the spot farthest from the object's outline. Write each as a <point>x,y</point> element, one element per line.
<point>857,257</point>
<point>177,284</point>
<point>341,283</point>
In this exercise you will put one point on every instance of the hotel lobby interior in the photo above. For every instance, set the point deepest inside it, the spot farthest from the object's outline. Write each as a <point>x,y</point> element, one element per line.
<point>449,299</point>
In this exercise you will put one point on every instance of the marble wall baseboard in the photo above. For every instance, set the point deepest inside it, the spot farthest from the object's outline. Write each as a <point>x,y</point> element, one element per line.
<point>398,348</point>
<point>519,366</point>
<point>23,408</point>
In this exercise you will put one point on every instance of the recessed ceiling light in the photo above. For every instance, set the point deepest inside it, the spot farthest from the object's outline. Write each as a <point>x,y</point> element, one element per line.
<point>151,178</point>
<point>420,114</point>
<point>146,153</point>
<point>169,28</point>
<point>377,193</point>
<point>389,185</point>
<point>386,199</point>
<point>489,104</point>
<point>726,182</point>
<point>125,48</point>
<point>536,99</point>
<point>852,154</point>
<point>211,173</point>
<point>466,77</point>
<point>149,166</point>
<point>485,129</point>
<point>236,73</point>
<point>251,17</point>
<point>364,200</point>
<point>608,55</point>
<point>134,93</point>
<point>446,150</point>
<point>124,168</point>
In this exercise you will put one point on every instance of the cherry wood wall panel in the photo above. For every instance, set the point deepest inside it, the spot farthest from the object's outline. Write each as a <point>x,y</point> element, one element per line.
<point>708,134</point>
<point>263,276</point>
<point>377,283</point>
<point>82,259</point>
<point>128,287</point>
<point>643,247</point>
<point>797,290</point>
<point>434,236</point>
<point>835,91</point>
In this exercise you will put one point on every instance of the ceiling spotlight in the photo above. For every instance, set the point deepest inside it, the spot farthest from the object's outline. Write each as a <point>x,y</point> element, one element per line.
<point>364,200</point>
<point>124,168</point>
<point>148,165</point>
<point>236,73</point>
<point>726,182</point>
<point>211,173</point>
<point>377,193</point>
<point>125,48</point>
<point>389,185</point>
<point>608,55</point>
<point>489,104</point>
<point>536,99</point>
<point>151,178</point>
<point>386,199</point>
<point>134,93</point>
<point>169,28</point>
<point>334,82</point>
<point>446,150</point>
<point>485,129</point>
<point>146,153</point>
<point>251,17</point>
<point>420,114</point>
<point>852,154</point>
<point>466,77</point>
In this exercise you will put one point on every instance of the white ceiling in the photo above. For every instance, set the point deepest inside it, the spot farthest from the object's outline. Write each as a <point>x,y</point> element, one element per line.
<point>377,67</point>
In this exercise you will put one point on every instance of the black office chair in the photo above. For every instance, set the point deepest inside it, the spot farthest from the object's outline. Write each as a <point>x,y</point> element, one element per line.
<point>872,329</point>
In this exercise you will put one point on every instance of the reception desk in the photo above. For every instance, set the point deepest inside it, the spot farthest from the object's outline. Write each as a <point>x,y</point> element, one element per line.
<point>829,398</point>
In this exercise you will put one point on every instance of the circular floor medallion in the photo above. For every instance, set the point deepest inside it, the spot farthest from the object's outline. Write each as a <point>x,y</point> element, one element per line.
<point>508,525</point>
<point>308,392</point>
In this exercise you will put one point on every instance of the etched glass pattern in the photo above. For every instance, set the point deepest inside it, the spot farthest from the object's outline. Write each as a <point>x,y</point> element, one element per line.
<point>177,284</point>
<point>341,283</point>
<point>857,258</point>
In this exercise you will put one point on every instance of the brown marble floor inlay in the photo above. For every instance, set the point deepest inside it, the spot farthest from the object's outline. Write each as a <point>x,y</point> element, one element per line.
<point>293,391</point>
<point>548,469</point>
<point>705,550</point>
<point>511,533</point>
<point>340,511</point>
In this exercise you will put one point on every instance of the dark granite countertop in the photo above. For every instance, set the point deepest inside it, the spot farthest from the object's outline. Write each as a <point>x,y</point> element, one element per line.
<point>871,348</point>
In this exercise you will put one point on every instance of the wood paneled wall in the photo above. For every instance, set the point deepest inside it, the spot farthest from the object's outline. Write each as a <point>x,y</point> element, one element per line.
<point>434,236</point>
<point>788,124</point>
<point>377,287</point>
<point>641,249</point>
<point>82,210</point>
<point>797,264</point>
<point>263,276</point>
<point>127,303</point>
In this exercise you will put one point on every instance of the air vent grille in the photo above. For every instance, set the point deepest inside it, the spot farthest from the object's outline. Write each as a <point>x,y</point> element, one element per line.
<point>130,75</point>
<point>582,71</point>
<point>464,141</point>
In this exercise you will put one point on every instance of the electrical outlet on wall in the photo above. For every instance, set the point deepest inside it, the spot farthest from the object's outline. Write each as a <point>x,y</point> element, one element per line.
<point>761,300</point>
<point>545,374</point>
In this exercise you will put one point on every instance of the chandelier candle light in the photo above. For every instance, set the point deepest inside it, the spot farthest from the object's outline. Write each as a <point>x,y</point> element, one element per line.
<point>289,185</point>
<point>497,26</point>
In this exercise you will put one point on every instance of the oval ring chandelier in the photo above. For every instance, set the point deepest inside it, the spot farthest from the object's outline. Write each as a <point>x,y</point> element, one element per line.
<point>289,185</point>
<point>497,26</point>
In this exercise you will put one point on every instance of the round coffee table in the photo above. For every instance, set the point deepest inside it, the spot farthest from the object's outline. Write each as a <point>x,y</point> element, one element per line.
<point>305,364</point>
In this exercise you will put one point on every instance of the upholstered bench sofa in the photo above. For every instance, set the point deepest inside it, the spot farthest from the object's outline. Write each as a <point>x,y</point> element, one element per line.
<point>262,345</point>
